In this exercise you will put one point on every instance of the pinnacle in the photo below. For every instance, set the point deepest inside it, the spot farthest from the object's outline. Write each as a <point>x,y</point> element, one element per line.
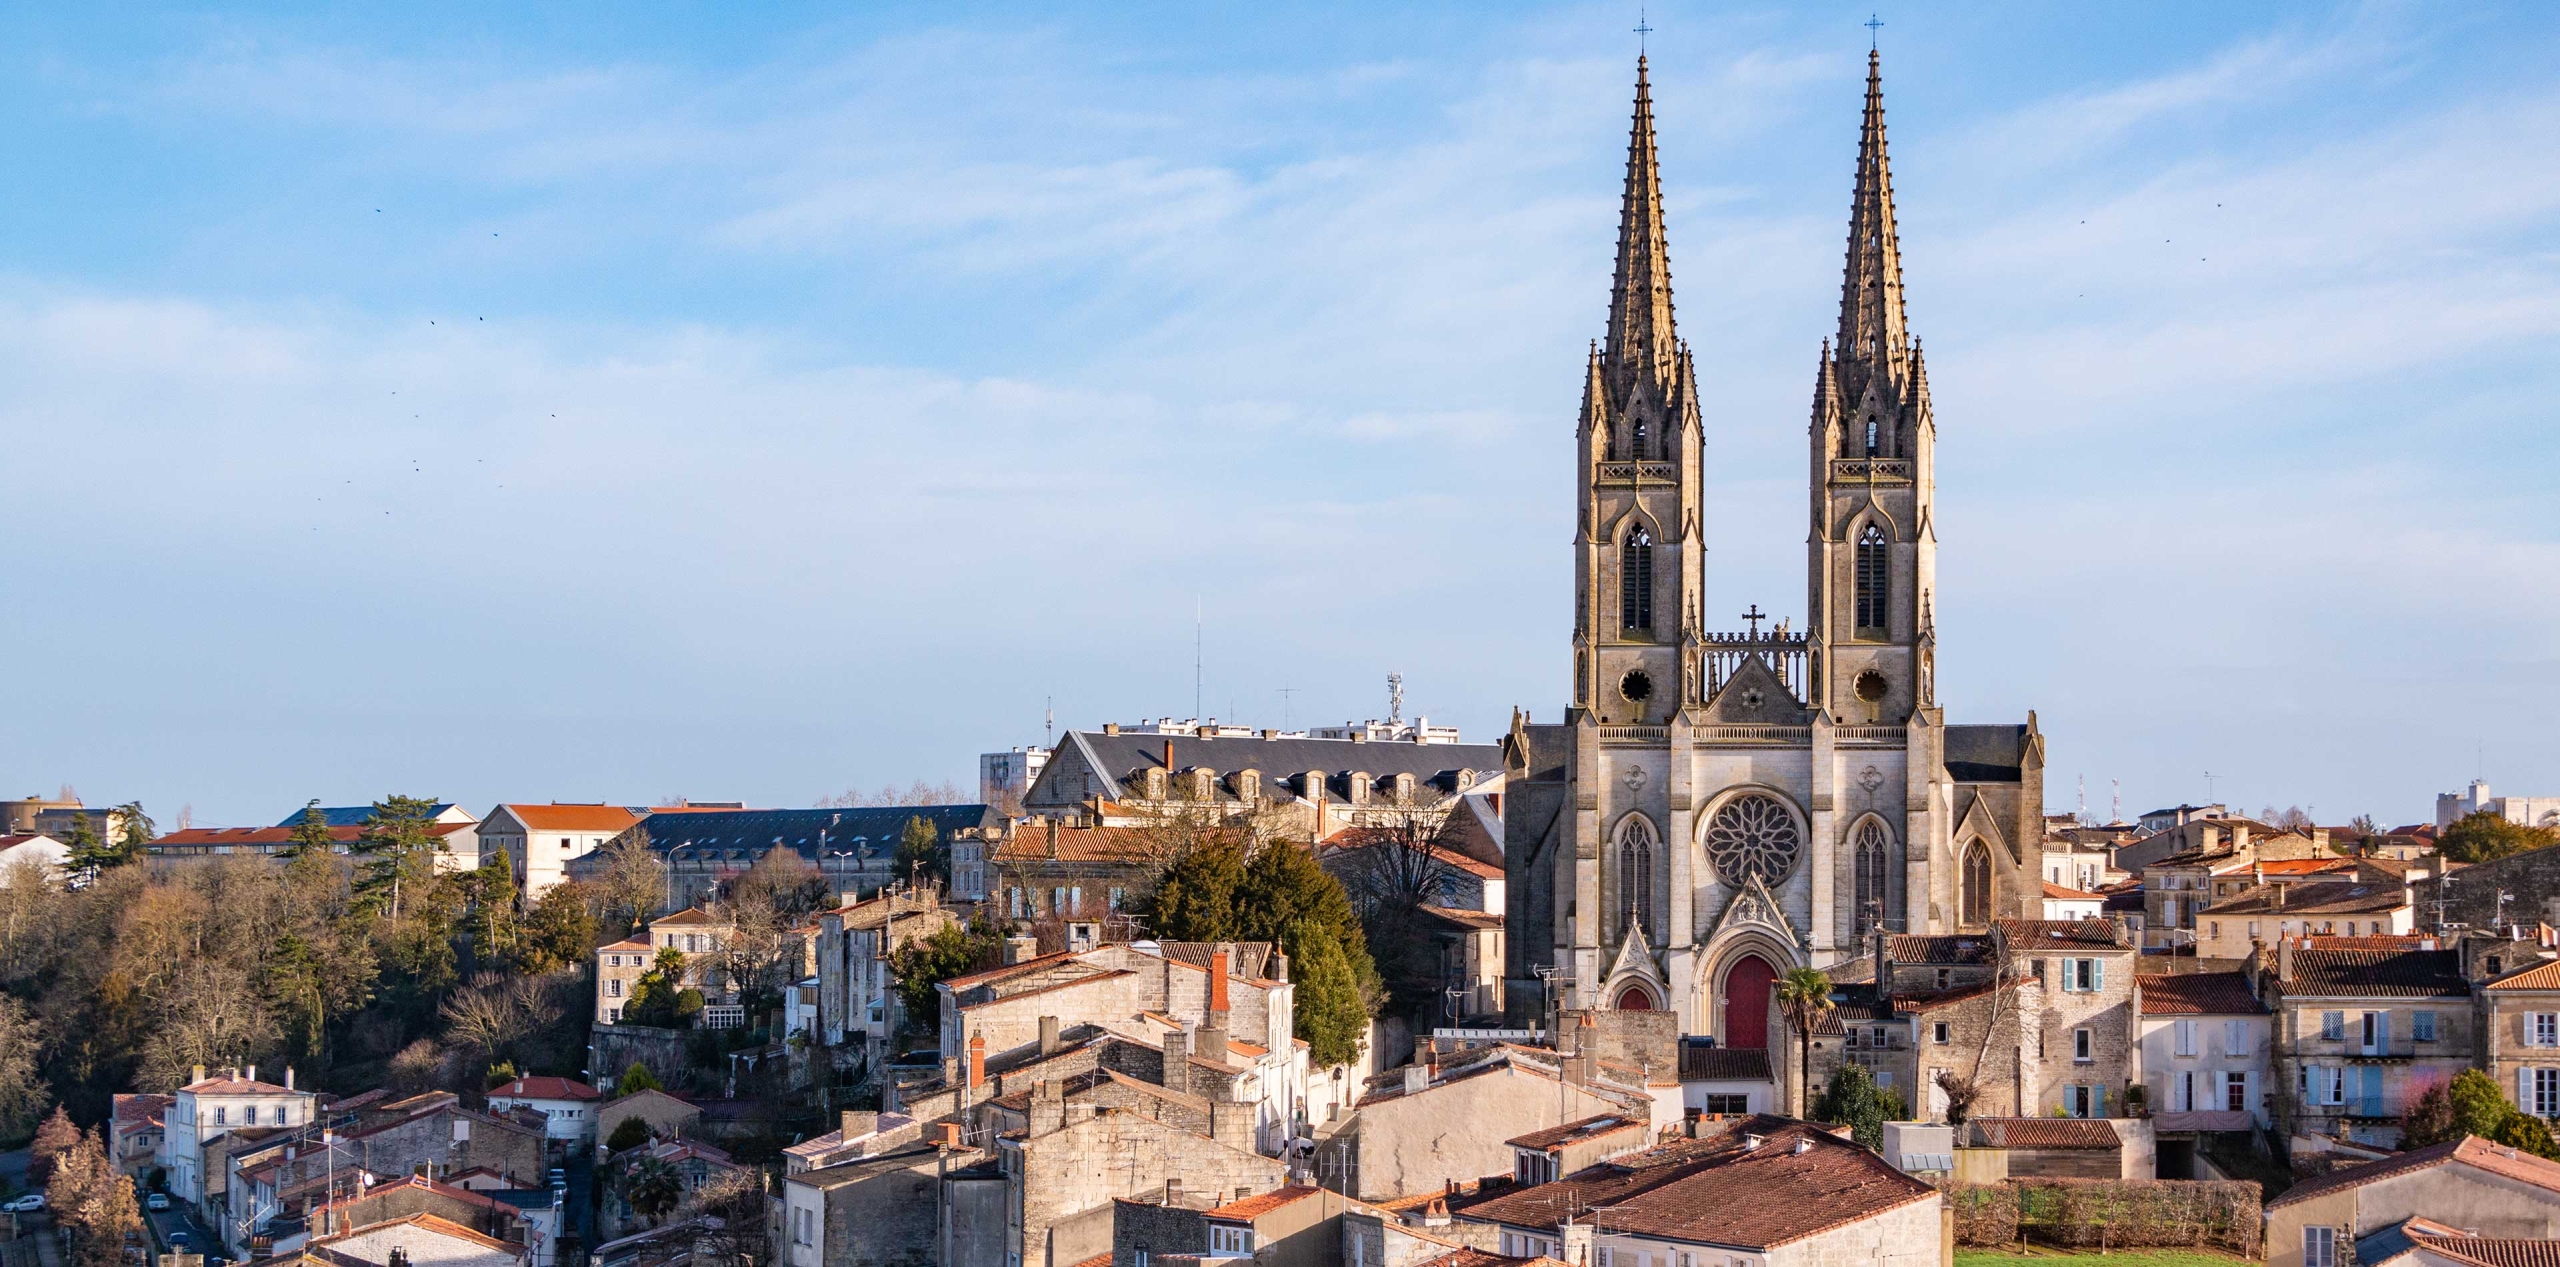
<point>1641,332</point>
<point>1871,316</point>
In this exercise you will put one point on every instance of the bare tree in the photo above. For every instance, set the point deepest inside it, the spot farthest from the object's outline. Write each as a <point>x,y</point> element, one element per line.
<point>634,881</point>
<point>495,1012</point>
<point>765,904</point>
<point>737,1201</point>
<point>890,794</point>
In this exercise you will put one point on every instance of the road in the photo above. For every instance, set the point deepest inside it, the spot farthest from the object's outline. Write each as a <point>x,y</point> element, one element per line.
<point>179,1217</point>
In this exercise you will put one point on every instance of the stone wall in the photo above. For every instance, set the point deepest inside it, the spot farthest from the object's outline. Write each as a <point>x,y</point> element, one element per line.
<point>1458,1129</point>
<point>1916,1235</point>
<point>1070,1175</point>
<point>1638,1040</point>
<point>2531,881</point>
<point>888,1219</point>
<point>612,1048</point>
<point>1156,1229</point>
<point>453,1139</point>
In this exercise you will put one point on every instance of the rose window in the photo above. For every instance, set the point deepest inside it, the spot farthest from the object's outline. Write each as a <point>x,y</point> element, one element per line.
<point>1753,835</point>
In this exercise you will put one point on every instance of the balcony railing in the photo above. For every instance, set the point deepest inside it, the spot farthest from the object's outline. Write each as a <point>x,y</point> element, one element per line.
<point>1873,470</point>
<point>1639,472</point>
<point>1725,654</point>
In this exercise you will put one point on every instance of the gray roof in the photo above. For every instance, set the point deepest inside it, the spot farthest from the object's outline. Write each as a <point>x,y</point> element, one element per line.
<point>1550,748</point>
<point>1986,754</point>
<point>744,835</point>
<point>1119,756</point>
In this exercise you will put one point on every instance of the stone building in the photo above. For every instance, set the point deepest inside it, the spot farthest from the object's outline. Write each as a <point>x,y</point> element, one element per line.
<point>2359,1032</point>
<point>2472,1184</point>
<point>857,995</point>
<point>1422,1127</point>
<point>2520,1036</point>
<point>1312,786</point>
<point>1716,808</point>
<point>705,849</point>
<point>2204,1049</point>
<point>881,1210</point>
<point>1066,1168</point>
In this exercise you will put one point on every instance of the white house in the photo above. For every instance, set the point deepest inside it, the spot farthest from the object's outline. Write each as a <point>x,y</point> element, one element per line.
<point>2202,1047</point>
<point>566,1105</point>
<point>2064,902</point>
<point>207,1108</point>
<point>44,851</point>
<point>543,838</point>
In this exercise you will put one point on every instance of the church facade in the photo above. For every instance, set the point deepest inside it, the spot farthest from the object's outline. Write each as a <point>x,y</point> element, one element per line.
<point>1716,808</point>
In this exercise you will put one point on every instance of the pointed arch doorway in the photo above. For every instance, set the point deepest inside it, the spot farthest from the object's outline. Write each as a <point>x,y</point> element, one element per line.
<point>1746,1002</point>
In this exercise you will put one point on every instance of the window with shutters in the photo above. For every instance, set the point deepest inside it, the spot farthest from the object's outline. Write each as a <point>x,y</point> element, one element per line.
<point>2186,1036</point>
<point>1872,583</point>
<point>2546,1093</point>
<point>2235,1092</point>
<point>1635,581</point>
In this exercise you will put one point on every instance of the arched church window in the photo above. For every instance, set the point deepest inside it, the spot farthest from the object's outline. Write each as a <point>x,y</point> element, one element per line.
<point>1635,874</point>
<point>1976,907</point>
<point>1640,446</point>
<point>1635,580</point>
<point>1872,450</point>
<point>1871,582</point>
<point>1872,860</point>
<point>1753,836</point>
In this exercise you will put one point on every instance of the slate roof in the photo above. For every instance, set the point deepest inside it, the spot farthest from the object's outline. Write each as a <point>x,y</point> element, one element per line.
<point>1723,1191</point>
<point>1701,1063</point>
<point>351,815</point>
<point>2198,994</point>
<point>742,836</point>
<point>2416,974</point>
<point>1119,756</point>
<point>2062,934</point>
<point>2470,1150</point>
<point>2046,1132</point>
<point>1986,754</point>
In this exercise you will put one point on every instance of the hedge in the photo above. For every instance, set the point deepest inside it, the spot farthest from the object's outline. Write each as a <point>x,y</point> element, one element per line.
<point>2076,1213</point>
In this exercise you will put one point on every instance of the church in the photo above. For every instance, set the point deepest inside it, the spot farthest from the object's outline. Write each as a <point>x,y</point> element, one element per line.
<point>1716,808</point>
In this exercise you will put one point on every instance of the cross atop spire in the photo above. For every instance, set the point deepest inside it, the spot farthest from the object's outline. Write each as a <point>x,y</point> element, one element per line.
<point>1641,334</point>
<point>1871,325</point>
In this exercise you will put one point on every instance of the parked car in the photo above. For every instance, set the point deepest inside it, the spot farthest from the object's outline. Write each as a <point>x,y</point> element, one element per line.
<point>27,1204</point>
<point>156,1202</point>
<point>178,1242</point>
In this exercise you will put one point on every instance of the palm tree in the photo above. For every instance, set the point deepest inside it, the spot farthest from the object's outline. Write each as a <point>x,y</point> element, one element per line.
<point>653,1189</point>
<point>1804,994</point>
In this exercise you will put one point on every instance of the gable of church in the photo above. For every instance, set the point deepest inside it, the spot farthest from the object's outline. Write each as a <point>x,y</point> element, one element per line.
<point>1753,695</point>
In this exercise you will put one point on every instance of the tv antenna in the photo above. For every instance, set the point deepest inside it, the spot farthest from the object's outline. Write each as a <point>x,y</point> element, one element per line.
<point>1285,693</point>
<point>1395,698</point>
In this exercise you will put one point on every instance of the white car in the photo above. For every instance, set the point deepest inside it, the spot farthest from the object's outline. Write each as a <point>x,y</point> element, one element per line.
<point>27,1204</point>
<point>157,1202</point>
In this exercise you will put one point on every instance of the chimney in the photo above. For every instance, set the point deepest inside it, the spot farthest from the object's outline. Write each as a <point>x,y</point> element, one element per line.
<point>197,1076</point>
<point>1211,1043</point>
<point>853,1124</point>
<point>947,1135</point>
<point>1173,1191</point>
<point>1017,949</point>
<point>1577,1244</point>
<point>253,1073</point>
<point>1177,1060</point>
<point>1053,839</point>
<point>1276,968</point>
<point>2284,957</point>
<point>1218,980</point>
<point>977,1061</point>
<point>1168,756</point>
<point>288,1077</point>
<point>1049,1036</point>
<point>1111,728</point>
<point>1417,1078</point>
<point>1048,1108</point>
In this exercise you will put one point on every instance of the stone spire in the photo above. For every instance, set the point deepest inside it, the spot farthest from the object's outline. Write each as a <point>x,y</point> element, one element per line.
<point>1640,328</point>
<point>1871,325</point>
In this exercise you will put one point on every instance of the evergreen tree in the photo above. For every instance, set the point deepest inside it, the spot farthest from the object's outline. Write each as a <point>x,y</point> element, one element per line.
<point>399,844</point>
<point>953,950</point>
<point>637,1078</point>
<point>559,932</point>
<point>659,997</point>
<point>1853,1099</point>
<point>311,834</point>
<point>922,854</point>
<point>88,853</point>
<point>134,830</point>
<point>1331,1014</point>
<point>2472,1104</point>
<point>2486,837</point>
<point>1195,900</point>
<point>489,916</point>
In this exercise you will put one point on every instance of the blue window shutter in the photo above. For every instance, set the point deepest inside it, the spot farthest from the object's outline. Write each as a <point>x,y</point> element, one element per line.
<point>2097,974</point>
<point>2099,1095</point>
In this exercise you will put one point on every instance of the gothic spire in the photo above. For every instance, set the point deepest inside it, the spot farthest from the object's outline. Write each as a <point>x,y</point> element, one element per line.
<point>1871,326</point>
<point>1640,327</point>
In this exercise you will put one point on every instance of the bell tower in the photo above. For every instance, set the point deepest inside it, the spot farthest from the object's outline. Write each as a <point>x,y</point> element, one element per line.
<point>1637,549</point>
<point>1873,555</point>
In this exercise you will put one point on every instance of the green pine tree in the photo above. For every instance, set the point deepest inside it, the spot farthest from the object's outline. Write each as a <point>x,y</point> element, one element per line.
<point>922,854</point>
<point>398,844</point>
<point>1332,1015</point>
<point>87,853</point>
<point>311,834</point>
<point>1196,898</point>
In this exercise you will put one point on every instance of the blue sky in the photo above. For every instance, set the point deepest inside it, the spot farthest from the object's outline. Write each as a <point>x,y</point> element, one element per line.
<point>619,402</point>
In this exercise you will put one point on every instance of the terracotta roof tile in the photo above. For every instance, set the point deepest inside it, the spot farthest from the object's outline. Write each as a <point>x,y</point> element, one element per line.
<point>2198,994</point>
<point>2046,1132</point>
<point>545,1087</point>
<point>1254,1207</point>
<point>1606,1123</point>
<point>2541,976</point>
<point>1938,949</point>
<point>2065,893</point>
<point>558,817</point>
<point>2324,898</point>
<point>1701,1063</point>
<point>2470,1150</point>
<point>2378,973</point>
<point>2062,934</point>
<point>1722,1190</point>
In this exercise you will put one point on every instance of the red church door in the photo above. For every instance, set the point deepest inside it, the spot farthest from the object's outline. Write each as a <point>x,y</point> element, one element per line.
<point>1746,1003</point>
<point>1634,999</point>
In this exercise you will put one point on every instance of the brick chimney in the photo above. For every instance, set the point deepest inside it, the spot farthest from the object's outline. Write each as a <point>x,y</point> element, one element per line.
<point>1218,980</point>
<point>853,1124</point>
<point>1048,1109</point>
<point>1053,839</point>
<point>977,1061</point>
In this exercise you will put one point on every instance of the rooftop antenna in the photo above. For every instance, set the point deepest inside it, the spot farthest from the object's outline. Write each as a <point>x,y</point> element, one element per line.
<point>2208,787</point>
<point>2115,806</point>
<point>1873,25</point>
<point>1642,30</point>
<point>1199,622</point>
<point>2083,815</point>
<point>1395,698</point>
<point>1049,722</point>
<point>1285,693</point>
